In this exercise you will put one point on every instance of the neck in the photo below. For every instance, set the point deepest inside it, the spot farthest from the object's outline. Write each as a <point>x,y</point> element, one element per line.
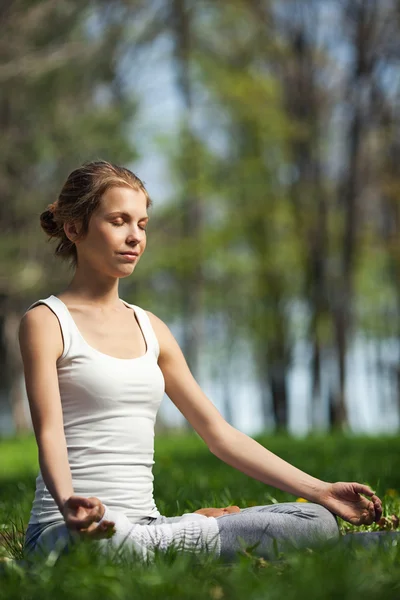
<point>102,293</point>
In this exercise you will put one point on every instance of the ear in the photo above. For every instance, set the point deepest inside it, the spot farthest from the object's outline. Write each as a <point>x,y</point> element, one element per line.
<point>71,230</point>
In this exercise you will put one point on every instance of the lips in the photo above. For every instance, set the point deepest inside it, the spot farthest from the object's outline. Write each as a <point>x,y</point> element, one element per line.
<point>129,253</point>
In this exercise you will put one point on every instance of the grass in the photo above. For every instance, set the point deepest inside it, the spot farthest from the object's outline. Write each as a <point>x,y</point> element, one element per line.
<point>187,477</point>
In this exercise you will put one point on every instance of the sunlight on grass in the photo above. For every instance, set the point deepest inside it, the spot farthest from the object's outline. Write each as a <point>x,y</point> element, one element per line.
<point>188,477</point>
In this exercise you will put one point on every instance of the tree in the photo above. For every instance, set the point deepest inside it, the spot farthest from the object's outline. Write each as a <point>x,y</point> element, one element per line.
<point>63,101</point>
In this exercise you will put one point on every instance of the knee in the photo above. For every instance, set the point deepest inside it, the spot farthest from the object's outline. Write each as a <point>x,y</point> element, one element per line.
<point>319,512</point>
<point>57,538</point>
<point>325,520</point>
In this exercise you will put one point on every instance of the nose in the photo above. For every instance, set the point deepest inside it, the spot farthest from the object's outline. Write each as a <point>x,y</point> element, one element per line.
<point>135,236</point>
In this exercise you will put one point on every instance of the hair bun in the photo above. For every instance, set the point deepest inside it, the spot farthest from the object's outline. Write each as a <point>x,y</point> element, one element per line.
<point>48,222</point>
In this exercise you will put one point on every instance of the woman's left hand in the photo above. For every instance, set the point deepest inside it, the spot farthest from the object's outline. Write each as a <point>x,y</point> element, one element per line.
<point>344,500</point>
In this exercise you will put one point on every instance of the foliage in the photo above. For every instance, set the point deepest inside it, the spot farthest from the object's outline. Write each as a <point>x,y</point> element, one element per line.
<point>187,477</point>
<point>282,228</point>
<point>285,151</point>
<point>64,102</point>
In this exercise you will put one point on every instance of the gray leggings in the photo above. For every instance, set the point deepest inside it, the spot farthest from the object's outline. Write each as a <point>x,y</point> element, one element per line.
<point>274,527</point>
<point>277,527</point>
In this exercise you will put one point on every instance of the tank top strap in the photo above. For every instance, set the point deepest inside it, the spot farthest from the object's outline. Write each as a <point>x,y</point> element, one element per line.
<point>62,315</point>
<point>147,329</point>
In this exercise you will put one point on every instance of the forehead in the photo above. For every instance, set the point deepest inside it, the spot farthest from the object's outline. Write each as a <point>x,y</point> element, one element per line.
<point>124,199</point>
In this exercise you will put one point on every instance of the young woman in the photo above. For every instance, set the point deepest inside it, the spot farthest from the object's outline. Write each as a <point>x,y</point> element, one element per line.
<point>96,368</point>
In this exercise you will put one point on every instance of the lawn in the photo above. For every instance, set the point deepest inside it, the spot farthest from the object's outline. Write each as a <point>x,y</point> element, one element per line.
<point>187,477</point>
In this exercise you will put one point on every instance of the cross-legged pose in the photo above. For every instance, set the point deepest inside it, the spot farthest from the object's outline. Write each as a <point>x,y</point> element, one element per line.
<point>96,368</point>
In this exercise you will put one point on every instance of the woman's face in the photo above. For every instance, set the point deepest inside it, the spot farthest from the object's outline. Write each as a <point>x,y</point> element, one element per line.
<point>117,226</point>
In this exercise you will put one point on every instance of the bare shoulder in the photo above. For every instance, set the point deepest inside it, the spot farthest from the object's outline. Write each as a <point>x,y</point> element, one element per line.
<point>39,330</point>
<point>41,344</point>
<point>38,316</point>
<point>157,323</point>
<point>163,333</point>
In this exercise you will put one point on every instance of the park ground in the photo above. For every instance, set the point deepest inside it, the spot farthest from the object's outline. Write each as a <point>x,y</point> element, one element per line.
<point>187,477</point>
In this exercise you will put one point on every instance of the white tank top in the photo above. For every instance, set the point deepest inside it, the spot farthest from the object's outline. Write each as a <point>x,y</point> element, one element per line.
<point>109,409</point>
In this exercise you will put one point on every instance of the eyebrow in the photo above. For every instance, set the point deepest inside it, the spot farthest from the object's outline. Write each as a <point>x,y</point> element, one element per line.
<point>125,214</point>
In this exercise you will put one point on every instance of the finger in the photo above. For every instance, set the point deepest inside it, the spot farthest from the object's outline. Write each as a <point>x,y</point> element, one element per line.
<point>103,531</point>
<point>107,524</point>
<point>360,488</point>
<point>377,502</point>
<point>365,518</point>
<point>76,501</point>
<point>94,527</point>
<point>378,514</point>
<point>378,507</point>
<point>100,529</point>
<point>87,515</point>
<point>372,513</point>
<point>369,514</point>
<point>86,530</point>
<point>89,532</point>
<point>82,523</point>
<point>95,502</point>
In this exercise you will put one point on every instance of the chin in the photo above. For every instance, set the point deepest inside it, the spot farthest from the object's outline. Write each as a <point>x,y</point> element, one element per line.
<point>123,270</point>
<point>123,276</point>
<point>126,272</point>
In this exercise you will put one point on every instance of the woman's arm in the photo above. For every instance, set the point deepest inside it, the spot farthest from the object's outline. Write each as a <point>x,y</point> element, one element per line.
<point>39,340</point>
<point>229,444</point>
<point>41,344</point>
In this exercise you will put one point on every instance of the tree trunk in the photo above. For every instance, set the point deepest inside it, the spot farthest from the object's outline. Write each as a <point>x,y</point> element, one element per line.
<point>279,397</point>
<point>12,371</point>
<point>192,281</point>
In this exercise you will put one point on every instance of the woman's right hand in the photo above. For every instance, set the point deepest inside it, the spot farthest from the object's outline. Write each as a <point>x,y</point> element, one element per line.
<point>82,514</point>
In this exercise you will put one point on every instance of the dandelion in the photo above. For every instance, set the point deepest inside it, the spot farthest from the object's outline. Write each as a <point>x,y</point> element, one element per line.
<point>217,592</point>
<point>391,492</point>
<point>262,563</point>
<point>301,500</point>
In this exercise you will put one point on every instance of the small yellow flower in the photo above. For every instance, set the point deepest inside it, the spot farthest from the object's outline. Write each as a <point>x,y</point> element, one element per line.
<point>391,492</point>
<point>301,500</point>
<point>217,592</point>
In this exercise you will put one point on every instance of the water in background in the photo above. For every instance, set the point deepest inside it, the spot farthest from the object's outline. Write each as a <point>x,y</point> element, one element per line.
<point>370,395</point>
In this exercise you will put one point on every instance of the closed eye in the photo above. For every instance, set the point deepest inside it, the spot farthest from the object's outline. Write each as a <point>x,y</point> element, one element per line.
<point>120,225</point>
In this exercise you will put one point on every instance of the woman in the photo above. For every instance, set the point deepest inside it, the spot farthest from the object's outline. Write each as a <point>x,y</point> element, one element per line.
<point>96,369</point>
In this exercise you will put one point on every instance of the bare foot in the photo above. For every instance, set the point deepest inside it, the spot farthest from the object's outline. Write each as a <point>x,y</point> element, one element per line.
<point>217,512</point>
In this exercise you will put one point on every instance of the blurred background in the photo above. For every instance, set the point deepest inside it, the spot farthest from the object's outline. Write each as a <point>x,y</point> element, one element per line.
<point>267,134</point>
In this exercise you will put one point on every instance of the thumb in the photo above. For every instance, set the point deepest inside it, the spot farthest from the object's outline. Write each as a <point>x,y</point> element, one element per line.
<point>76,522</point>
<point>76,501</point>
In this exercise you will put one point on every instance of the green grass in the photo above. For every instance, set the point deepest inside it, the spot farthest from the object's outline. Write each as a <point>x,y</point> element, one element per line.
<point>187,477</point>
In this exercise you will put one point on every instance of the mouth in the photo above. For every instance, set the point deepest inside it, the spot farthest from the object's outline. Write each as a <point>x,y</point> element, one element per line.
<point>129,256</point>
